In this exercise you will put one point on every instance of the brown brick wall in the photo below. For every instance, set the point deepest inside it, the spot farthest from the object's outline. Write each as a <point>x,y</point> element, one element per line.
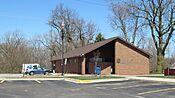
<point>73,66</point>
<point>130,61</point>
<point>105,68</point>
<point>58,66</point>
<point>132,70</point>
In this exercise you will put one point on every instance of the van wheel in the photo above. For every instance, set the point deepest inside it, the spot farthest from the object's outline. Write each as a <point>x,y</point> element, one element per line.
<point>31,73</point>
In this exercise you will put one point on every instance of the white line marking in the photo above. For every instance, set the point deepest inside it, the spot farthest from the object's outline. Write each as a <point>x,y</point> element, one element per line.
<point>100,87</point>
<point>156,91</point>
<point>139,97</point>
<point>135,86</point>
<point>38,81</point>
<point>2,81</point>
<point>118,83</point>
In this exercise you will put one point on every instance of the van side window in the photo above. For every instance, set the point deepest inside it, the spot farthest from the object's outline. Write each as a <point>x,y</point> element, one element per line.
<point>35,67</point>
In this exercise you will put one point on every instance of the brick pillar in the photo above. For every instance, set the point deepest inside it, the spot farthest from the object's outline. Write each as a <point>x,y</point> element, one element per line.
<point>83,66</point>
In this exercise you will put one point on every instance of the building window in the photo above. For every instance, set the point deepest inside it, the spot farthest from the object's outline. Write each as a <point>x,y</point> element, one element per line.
<point>107,59</point>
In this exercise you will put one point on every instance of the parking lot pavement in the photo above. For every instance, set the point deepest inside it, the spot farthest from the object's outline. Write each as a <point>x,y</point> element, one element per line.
<point>63,89</point>
<point>141,89</point>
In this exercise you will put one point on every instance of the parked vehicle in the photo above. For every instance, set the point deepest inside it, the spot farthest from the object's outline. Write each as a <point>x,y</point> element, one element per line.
<point>32,69</point>
<point>170,70</point>
<point>39,70</point>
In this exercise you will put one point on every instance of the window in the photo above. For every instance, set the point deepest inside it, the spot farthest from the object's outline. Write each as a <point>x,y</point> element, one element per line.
<point>107,59</point>
<point>35,67</point>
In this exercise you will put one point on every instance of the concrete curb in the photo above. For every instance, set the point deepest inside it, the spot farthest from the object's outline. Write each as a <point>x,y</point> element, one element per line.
<point>153,79</point>
<point>65,79</point>
<point>94,81</point>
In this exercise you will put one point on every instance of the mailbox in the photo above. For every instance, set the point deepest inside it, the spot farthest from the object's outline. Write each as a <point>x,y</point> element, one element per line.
<point>98,70</point>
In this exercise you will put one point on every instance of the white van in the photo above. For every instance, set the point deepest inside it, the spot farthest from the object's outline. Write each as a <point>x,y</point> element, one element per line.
<point>26,68</point>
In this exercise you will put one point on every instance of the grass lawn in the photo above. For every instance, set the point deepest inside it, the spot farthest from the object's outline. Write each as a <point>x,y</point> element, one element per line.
<point>93,77</point>
<point>160,76</point>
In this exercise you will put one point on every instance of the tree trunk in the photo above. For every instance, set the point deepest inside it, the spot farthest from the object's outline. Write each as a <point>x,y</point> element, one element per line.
<point>160,62</point>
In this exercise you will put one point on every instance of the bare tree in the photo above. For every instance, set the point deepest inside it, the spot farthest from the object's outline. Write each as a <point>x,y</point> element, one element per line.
<point>50,41</point>
<point>13,53</point>
<point>40,54</point>
<point>77,32</point>
<point>151,49</point>
<point>84,32</point>
<point>90,33</point>
<point>64,15</point>
<point>122,19</point>
<point>160,18</point>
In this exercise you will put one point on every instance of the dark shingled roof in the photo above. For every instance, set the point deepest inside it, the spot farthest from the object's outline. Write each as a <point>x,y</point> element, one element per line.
<point>86,49</point>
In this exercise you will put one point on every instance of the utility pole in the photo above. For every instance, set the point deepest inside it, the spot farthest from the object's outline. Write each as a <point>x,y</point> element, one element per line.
<point>62,47</point>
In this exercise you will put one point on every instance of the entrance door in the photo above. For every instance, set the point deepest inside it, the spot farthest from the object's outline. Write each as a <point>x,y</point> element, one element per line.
<point>87,68</point>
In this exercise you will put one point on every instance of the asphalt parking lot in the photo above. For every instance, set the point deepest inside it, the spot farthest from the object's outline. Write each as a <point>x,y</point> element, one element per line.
<point>63,89</point>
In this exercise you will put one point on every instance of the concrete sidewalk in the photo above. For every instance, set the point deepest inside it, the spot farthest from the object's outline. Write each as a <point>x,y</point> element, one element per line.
<point>94,81</point>
<point>56,77</point>
<point>27,77</point>
<point>17,77</point>
<point>152,79</point>
<point>10,75</point>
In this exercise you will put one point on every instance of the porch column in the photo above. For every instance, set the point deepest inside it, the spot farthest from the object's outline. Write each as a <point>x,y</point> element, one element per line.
<point>83,66</point>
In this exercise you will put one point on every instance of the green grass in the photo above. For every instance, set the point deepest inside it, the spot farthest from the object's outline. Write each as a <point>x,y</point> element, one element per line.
<point>93,77</point>
<point>160,76</point>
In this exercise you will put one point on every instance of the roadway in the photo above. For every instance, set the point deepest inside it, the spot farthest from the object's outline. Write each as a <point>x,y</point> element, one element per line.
<point>64,89</point>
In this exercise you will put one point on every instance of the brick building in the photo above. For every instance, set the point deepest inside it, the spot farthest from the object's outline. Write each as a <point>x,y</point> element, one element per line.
<point>116,56</point>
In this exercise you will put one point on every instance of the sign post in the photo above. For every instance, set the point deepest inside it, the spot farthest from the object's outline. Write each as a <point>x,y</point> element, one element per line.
<point>96,59</point>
